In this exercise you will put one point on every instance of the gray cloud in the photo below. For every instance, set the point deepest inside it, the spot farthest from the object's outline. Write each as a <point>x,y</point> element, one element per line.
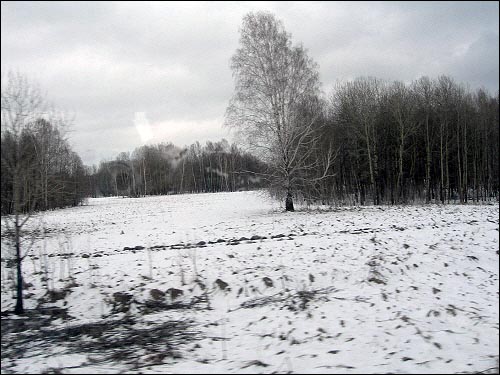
<point>105,62</point>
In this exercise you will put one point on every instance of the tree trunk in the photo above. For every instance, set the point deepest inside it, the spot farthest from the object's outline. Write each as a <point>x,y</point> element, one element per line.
<point>447,171</point>
<point>441,165</point>
<point>19,309</point>
<point>289,202</point>
<point>399,188</point>
<point>144,176</point>
<point>427,161</point>
<point>465,161</point>
<point>370,165</point>
<point>182,177</point>
<point>133,179</point>
<point>460,193</point>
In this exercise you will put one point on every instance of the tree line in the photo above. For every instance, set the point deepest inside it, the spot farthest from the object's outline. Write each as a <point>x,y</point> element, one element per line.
<point>428,140</point>
<point>168,169</point>
<point>40,171</point>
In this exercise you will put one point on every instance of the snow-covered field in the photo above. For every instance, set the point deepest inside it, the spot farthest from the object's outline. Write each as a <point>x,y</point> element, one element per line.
<point>230,283</point>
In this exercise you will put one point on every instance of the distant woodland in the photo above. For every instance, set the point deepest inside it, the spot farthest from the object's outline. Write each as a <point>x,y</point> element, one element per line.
<point>167,169</point>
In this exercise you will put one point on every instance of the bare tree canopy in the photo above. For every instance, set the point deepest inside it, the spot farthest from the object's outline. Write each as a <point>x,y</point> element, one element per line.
<point>432,140</point>
<point>275,105</point>
<point>39,169</point>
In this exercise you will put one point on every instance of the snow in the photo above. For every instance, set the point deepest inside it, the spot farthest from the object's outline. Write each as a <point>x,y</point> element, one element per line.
<point>346,290</point>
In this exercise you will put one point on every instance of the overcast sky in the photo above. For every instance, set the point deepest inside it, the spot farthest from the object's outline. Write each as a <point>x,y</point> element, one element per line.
<point>132,73</point>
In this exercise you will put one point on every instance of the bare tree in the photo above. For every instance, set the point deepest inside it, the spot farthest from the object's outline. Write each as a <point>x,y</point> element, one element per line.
<point>22,104</point>
<point>275,83</point>
<point>444,96</point>
<point>423,89</point>
<point>357,106</point>
<point>402,109</point>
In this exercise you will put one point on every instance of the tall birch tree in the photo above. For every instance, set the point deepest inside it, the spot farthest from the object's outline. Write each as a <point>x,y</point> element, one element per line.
<point>275,82</point>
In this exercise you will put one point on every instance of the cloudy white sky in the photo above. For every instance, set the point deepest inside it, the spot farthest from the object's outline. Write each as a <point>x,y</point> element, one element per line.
<point>132,73</point>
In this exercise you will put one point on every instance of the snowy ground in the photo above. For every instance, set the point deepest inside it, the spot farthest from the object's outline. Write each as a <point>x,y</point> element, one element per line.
<point>230,283</point>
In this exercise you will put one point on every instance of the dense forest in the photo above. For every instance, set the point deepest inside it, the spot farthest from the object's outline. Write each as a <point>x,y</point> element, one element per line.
<point>427,141</point>
<point>389,143</point>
